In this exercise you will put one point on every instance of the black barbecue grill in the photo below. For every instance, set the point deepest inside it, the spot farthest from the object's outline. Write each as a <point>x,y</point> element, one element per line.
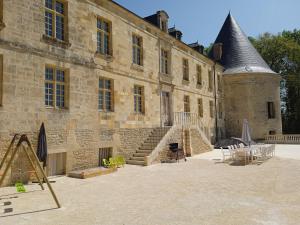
<point>174,147</point>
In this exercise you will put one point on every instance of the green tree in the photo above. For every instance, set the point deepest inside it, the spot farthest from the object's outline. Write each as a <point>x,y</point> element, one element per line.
<point>282,53</point>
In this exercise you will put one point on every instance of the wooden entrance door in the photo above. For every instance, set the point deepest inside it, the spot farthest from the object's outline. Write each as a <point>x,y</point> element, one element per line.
<point>166,109</point>
<point>56,164</point>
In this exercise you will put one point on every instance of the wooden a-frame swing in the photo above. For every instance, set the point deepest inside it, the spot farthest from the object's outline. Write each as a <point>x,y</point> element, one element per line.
<point>24,139</point>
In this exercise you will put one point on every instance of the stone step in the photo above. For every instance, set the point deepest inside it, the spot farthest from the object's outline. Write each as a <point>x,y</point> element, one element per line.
<point>153,142</point>
<point>145,151</point>
<point>147,147</point>
<point>138,158</point>
<point>134,162</point>
<point>140,154</point>
<point>156,136</point>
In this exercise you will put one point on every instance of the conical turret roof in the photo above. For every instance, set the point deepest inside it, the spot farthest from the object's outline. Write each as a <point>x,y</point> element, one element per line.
<point>239,55</point>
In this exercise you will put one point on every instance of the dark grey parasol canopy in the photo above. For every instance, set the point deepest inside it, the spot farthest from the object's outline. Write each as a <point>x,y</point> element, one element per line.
<point>42,150</point>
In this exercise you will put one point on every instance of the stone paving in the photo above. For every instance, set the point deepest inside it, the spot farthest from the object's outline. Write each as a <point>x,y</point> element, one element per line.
<point>200,191</point>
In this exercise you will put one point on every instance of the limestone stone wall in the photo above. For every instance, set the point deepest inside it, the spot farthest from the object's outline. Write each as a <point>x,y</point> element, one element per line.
<point>246,97</point>
<point>197,144</point>
<point>80,129</point>
<point>165,153</point>
<point>131,140</point>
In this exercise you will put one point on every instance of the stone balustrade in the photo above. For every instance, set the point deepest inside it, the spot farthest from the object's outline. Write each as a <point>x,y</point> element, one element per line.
<point>283,139</point>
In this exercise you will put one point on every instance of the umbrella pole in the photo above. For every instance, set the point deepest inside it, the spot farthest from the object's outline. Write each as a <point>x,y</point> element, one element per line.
<point>35,171</point>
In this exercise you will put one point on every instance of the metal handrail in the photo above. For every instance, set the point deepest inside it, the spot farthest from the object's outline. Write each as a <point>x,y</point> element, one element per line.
<point>191,120</point>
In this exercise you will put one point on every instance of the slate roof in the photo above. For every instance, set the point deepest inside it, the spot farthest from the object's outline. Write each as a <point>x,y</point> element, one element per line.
<point>239,55</point>
<point>154,18</point>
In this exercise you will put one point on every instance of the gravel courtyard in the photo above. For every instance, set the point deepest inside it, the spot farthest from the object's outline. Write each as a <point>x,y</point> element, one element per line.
<point>200,191</point>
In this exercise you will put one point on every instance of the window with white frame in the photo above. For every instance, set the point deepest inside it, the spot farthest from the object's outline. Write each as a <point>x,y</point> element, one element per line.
<point>199,75</point>
<point>55,87</point>
<point>200,107</point>
<point>55,19</point>
<point>105,95</point>
<point>185,69</point>
<point>139,99</point>
<point>104,45</point>
<point>164,62</point>
<point>137,50</point>
<point>186,100</point>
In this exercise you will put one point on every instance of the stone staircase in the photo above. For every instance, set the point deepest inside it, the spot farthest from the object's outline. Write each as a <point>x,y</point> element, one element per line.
<point>138,158</point>
<point>198,144</point>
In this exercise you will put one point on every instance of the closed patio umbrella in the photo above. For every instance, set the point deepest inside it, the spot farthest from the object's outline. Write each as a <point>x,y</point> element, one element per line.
<point>246,137</point>
<point>42,150</point>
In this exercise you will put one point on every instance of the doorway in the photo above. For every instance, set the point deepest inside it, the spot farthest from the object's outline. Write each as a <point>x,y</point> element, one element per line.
<point>56,164</point>
<point>166,109</point>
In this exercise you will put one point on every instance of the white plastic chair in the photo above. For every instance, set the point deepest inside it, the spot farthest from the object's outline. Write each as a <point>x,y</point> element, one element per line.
<point>226,153</point>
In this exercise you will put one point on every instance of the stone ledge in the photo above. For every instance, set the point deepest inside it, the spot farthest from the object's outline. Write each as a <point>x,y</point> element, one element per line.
<point>108,58</point>
<point>55,42</point>
<point>94,172</point>
<point>167,78</point>
<point>199,86</point>
<point>185,82</point>
<point>137,67</point>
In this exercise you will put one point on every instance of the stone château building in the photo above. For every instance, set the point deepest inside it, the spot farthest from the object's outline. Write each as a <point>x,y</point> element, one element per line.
<point>108,82</point>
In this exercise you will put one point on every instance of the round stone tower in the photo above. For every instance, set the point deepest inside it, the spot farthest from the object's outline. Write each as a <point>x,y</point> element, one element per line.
<point>251,88</point>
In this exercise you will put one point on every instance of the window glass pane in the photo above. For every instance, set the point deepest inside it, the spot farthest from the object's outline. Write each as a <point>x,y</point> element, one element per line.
<point>106,26</point>
<point>138,56</point>
<point>99,42</point>
<point>59,27</point>
<point>99,24</point>
<point>101,83</point>
<point>60,76</point>
<point>48,23</point>
<point>108,101</point>
<point>106,44</point>
<point>100,100</point>
<point>134,54</point>
<point>48,4</point>
<point>59,7</point>
<point>135,103</point>
<point>107,84</point>
<point>49,74</point>
<point>49,94</point>
<point>60,92</point>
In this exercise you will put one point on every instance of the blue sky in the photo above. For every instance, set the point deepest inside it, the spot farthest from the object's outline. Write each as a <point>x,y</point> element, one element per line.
<point>201,20</point>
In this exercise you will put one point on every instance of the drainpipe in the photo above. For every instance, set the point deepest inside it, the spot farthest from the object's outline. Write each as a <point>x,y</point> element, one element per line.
<point>159,82</point>
<point>217,55</point>
<point>216,108</point>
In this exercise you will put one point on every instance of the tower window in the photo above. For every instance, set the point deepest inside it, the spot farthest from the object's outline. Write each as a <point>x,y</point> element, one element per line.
<point>271,110</point>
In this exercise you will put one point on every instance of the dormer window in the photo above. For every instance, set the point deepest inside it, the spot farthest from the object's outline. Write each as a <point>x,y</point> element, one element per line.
<point>163,18</point>
<point>163,25</point>
<point>159,19</point>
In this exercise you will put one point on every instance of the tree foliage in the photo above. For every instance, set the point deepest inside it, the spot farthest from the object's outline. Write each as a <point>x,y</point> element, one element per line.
<point>282,53</point>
